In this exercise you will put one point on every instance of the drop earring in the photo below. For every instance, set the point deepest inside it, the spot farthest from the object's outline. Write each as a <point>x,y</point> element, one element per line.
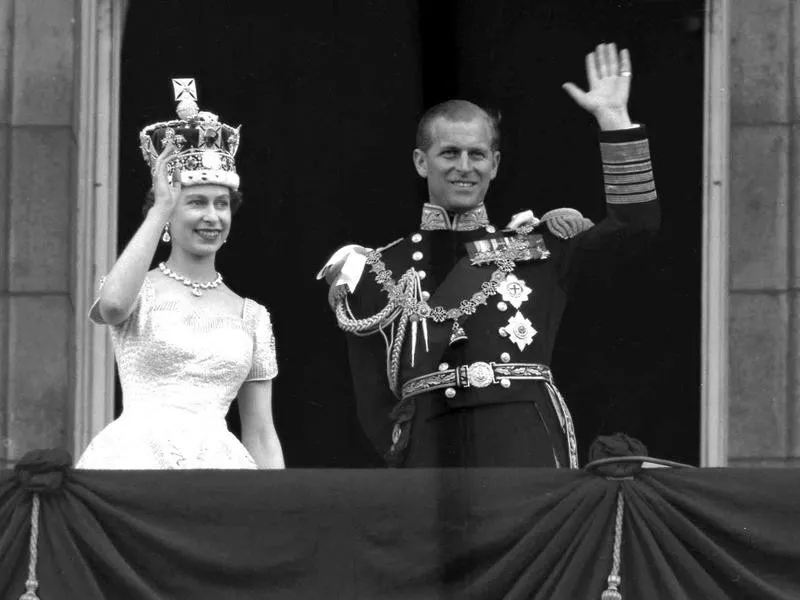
<point>166,237</point>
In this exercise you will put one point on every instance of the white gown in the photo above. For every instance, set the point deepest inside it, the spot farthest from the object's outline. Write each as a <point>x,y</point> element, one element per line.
<point>180,369</point>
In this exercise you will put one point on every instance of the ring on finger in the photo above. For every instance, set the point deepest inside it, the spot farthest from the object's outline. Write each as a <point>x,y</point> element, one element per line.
<point>625,73</point>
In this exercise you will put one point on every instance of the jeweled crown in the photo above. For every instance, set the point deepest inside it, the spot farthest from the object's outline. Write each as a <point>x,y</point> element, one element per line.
<point>206,147</point>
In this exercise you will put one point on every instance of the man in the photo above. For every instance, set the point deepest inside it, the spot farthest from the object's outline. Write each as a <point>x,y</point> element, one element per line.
<point>467,315</point>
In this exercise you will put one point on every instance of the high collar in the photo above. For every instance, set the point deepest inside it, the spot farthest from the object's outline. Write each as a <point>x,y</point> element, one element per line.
<point>435,218</point>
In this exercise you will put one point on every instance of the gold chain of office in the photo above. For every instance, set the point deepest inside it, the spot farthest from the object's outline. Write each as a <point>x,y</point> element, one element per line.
<point>399,297</point>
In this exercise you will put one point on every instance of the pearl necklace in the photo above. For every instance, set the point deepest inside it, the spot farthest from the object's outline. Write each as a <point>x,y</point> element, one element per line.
<point>195,285</point>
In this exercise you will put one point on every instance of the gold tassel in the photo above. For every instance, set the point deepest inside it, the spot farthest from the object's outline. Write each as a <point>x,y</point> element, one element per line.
<point>612,593</point>
<point>32,583</point>
<point>614,580</point>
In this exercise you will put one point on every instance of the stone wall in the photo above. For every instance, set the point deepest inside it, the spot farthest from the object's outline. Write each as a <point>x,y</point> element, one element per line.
<point>37,206</point>
<point>764,230</point>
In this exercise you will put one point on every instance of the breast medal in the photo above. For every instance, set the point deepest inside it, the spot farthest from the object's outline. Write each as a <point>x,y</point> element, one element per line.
<point>514,291</point>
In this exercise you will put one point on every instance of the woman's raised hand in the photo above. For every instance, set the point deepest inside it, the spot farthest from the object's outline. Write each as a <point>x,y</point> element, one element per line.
<point>166,191</point>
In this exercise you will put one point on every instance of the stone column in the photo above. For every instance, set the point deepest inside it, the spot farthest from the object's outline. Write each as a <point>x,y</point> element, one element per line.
<point>764,234</point>
<point>37,207</point>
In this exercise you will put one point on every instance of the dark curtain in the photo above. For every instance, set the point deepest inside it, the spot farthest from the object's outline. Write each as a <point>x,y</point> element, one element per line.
<point>716,534</point>
<point>329,93</point>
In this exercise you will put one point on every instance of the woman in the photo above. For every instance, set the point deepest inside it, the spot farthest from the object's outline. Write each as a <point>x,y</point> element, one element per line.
<point>186,345</point>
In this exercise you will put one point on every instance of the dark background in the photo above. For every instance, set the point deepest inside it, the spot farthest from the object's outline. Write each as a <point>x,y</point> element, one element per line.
<point>329,93</point>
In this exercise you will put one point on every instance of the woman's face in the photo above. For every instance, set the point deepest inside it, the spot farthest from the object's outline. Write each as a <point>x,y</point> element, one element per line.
<point>201,220</point>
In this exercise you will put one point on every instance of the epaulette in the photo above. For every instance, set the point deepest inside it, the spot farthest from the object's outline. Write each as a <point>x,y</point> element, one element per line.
<point>560,212</point>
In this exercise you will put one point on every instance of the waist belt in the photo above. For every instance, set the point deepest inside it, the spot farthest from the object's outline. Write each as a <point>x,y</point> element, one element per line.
<point>478,375</point>
<point>481,375</point>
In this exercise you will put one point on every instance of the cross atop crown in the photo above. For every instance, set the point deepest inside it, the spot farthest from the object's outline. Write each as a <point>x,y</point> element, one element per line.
<point>183,88</point>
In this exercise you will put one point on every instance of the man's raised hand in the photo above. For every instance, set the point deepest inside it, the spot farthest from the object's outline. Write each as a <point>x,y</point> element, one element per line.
<point>609,75</point>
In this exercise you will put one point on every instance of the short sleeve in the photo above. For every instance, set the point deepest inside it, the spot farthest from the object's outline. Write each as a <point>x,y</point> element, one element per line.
<point>265,364</point>
<point>141,308</point>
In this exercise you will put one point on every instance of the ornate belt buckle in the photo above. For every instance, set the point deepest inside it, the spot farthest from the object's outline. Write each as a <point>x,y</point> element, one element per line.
<point>480,374</point>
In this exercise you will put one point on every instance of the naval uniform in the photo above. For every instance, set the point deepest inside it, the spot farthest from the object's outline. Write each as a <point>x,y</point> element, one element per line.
<point>452,328</point>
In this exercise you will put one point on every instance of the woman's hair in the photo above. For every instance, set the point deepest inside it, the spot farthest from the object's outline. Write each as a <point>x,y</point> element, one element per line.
<point>150,198</point>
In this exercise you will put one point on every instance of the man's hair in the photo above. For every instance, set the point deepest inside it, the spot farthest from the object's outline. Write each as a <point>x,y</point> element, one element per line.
<point>459,111</point>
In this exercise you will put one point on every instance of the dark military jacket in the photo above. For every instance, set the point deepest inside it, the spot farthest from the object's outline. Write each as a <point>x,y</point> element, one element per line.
<point>516,324</point>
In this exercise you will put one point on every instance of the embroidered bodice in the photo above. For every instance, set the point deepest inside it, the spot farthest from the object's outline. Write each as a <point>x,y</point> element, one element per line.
<point>172,355</point>
<point>180,368</point>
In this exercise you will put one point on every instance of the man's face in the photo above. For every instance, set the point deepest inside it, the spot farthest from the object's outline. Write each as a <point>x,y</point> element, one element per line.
<point>460,163</point>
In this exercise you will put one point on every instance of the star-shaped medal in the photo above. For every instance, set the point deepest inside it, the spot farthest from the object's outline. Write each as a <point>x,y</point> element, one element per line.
<point>520,330</point>
<point>514,290</point>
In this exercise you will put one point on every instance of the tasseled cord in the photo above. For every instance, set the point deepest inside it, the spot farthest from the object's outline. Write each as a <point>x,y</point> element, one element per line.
<point>614,580</point>
<point>32,583</point>
<point>415,319</point>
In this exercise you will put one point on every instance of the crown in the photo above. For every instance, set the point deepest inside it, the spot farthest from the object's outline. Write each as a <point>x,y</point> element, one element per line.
<point>206,147</point>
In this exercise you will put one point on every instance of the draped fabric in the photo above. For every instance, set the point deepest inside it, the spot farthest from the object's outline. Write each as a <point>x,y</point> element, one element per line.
<point>481,533</point>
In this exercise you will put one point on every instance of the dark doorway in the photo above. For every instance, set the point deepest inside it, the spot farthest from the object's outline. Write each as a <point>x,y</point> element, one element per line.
<point>329,92</point>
